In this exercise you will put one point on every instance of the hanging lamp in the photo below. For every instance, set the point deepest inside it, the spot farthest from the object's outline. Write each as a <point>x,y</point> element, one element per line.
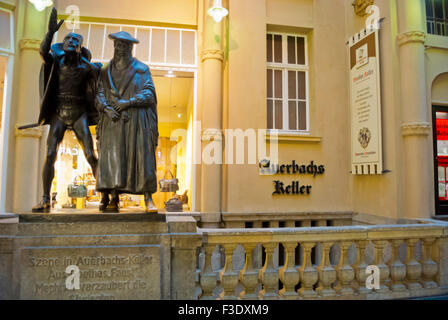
<point>217,12</point>
<point>40,5</point>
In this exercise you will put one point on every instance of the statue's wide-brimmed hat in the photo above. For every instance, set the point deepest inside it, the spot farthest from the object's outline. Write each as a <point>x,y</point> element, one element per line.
<point>124,36</point>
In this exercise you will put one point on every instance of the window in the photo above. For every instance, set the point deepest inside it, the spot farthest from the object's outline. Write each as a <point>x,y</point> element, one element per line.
<point>287,82</point>
<point>437,17</point>
<point>6,34</point>
<point>158,47</point>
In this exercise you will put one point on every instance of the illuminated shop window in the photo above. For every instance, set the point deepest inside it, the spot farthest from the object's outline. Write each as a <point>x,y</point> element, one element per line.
<point>6,51</point>
<point>437,17</point>
<point>172,57</point>
<point>287,82</point>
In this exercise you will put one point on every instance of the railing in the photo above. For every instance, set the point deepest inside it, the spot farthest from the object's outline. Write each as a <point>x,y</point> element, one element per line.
<point>286,220</point>
<point>323,262</point>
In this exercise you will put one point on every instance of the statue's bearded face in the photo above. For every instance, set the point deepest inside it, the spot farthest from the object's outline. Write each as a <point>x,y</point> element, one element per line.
<point>122,48</point>
<point>73,42</point>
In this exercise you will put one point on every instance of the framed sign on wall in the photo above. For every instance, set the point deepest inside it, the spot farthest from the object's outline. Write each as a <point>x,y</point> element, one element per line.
<point>365,103</point>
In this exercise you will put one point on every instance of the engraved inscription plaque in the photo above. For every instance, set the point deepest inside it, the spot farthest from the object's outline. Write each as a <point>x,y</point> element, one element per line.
<point>109,272</point>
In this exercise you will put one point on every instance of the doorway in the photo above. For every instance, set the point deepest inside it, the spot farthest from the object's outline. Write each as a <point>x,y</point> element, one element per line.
<point>5,95</point>
<point>3,69</point>
<point>440,138</point>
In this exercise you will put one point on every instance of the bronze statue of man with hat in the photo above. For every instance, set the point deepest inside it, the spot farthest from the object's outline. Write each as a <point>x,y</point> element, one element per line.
<point>67,88</point>
<point>127,131</point>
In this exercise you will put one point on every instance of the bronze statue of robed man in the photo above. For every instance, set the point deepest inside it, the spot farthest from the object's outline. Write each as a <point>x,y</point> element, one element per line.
<point>128,127</point>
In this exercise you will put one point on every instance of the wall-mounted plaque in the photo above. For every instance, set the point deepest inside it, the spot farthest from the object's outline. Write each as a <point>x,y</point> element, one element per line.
<point>365,102</point>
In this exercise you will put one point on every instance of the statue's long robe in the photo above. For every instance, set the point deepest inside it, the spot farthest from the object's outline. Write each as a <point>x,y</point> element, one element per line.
<point>127,147</point>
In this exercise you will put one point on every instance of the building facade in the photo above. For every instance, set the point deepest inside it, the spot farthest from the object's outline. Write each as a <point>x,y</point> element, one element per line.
<point>238,74</point>
<point>255,120</point>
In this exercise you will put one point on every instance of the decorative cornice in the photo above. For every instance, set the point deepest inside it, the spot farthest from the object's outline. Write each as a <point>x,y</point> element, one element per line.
<point>29,44</point>
<point>29,133</point>
<point>416,129</point>
<point>212,54</point>
<point>360,6</point>
<point>411,36</point>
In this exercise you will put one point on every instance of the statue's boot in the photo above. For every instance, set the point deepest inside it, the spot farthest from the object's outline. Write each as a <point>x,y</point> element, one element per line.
<point>114,205</point>
<point>43,206</point>
<point>105,200</point>
<point>150,207</point>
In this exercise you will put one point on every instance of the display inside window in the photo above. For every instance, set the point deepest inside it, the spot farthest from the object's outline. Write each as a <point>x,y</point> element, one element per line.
<point>442,154</point>
<point>74,184</point>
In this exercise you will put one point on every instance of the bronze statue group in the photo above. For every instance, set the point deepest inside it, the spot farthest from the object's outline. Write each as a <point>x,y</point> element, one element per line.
<point>119,98</point>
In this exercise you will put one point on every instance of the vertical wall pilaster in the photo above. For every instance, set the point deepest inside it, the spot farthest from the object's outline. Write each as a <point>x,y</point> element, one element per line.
<point>212,57</point>
<point>415,126</point>
<point>27,169</point>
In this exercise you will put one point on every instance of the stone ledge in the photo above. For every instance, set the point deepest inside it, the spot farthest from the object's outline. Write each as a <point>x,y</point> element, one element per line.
<point>60,217</point>
<point>36,132</point>
<point>8,216</point>
<point>416,129</point>
<point>279,216</point>
<point>416,36</point>
<point>179,224</point>
<point>285,137</point>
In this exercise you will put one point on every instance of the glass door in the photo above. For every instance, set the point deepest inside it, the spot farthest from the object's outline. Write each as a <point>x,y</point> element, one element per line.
<point>440,125</point>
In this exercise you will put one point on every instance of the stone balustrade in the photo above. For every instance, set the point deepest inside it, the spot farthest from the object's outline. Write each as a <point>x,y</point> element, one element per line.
<point>324,262</point>
<point>286,220</point>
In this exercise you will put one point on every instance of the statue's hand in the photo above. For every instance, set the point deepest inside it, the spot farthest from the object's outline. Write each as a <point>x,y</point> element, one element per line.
<point>111,113</point>
<point>122,105</point>
<point>53,25</point>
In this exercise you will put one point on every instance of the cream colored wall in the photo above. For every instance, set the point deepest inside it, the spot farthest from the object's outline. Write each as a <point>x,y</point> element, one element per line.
<point>337,190</point>
<point>380,195</point>
<point>439,90</point>
<point>290,13</point>
<point>246,190</point>
<point>168,11</point>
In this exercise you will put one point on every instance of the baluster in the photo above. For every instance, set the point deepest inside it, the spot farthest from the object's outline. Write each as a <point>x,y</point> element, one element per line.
<point>208,276</point>
<point>228,277</point>
<point>289,274</point>
<point>361,266</point>
<point>413,267</point>
<point>308,274</point>
<point>248,275</point>
<point>430,267</point>
<point>327,274</point>
<point>397,268</point>
<point>379,262</point>
<point>345,272</point>
<point>306,224</point>
<point>268,274</point>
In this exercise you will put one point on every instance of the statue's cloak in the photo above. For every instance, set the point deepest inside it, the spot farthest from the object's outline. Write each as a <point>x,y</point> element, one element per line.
<point>127,147</point>
<point>48,89</point>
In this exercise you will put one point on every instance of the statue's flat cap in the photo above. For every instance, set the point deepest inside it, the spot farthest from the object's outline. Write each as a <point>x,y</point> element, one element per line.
<point>124,36</point>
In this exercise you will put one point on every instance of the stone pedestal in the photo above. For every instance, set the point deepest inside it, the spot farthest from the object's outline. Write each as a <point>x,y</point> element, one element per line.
<point>116,256</point>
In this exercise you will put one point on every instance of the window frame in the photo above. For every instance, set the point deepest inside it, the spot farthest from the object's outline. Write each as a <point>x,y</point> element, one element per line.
<point>164,65</point>
<point>432,22</point>
<point>284,66</point>
<point>3,51</point>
